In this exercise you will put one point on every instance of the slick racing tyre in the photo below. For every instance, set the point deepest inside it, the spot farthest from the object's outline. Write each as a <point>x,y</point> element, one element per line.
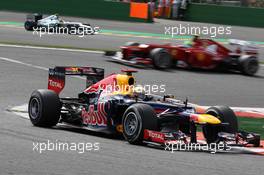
<point>248,65</point>
<point>225,115</point>
<point>110,53</point>
<point>29,25</point>
<point>132,44</point>
<point>44,108</point>
<point>136,119</point>
<point>72,30</point>
<point>161,58</point>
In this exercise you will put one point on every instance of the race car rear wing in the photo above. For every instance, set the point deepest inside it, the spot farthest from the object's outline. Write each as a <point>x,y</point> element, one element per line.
<point>245,46</point>
<point>57,75</point>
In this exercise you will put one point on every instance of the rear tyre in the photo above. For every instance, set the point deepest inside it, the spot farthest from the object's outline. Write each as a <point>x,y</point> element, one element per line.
<point>136,119</point>
<point>161,58</point>
<point>72,30</point>
<point>248,65</point>
<point>225,115</point>
<point>44,108</point>
<point>29,25</point>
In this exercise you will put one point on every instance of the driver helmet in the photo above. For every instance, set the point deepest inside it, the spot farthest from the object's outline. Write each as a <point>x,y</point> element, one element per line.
<point>195,38</point>
<point>139,91</point>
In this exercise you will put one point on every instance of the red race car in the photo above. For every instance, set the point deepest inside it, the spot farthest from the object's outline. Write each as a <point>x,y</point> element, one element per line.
<point>201,53</point>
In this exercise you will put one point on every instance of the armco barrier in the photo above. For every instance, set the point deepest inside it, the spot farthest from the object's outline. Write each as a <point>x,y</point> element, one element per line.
<point>241,16</point>
<point>82,8</point>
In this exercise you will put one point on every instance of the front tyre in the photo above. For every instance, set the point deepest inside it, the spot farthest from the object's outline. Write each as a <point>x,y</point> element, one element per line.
<point>161,58</point>
<point>44,108</point>
<point>136,119</point>
<point>225,115</point>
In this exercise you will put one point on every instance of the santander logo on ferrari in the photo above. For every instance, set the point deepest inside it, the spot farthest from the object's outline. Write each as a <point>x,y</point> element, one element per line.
<point>95,117</point>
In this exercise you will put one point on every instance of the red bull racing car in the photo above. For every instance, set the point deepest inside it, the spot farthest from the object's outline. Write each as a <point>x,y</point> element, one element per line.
<point>115,104</point>
<point>202,53</point>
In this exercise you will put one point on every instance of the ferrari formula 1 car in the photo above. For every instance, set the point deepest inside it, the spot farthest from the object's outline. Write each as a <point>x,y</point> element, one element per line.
<point>203,53</point>
<point>114,104</point>
<point>55,23</point>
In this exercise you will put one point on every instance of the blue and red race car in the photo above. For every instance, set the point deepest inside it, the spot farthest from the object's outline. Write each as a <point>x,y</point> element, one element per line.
<point>114,104</point>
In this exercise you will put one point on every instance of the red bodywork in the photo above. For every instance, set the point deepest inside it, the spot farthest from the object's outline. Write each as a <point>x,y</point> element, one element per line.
<point>204,53</point>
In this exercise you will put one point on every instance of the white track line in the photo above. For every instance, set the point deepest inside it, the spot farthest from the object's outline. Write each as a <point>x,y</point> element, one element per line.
<point>32,65</point>
<point>22,63</point>
<point>21,110</point>
<point>50,48</point>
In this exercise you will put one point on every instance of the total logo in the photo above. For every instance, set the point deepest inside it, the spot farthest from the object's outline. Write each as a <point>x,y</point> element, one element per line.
<point>155,135</point>
<point>55,84</point>
<point>95,117</point>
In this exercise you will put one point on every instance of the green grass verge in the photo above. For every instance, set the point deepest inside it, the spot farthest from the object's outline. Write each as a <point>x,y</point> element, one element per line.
<point>255,125</point>
<point>252,125</point>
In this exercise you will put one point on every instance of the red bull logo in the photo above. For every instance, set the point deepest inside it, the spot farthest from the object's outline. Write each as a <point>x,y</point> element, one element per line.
<point>95,117</point>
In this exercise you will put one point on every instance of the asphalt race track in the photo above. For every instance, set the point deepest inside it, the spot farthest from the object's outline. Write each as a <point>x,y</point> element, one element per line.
<point>23,69</point>
<point>15,34</point>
